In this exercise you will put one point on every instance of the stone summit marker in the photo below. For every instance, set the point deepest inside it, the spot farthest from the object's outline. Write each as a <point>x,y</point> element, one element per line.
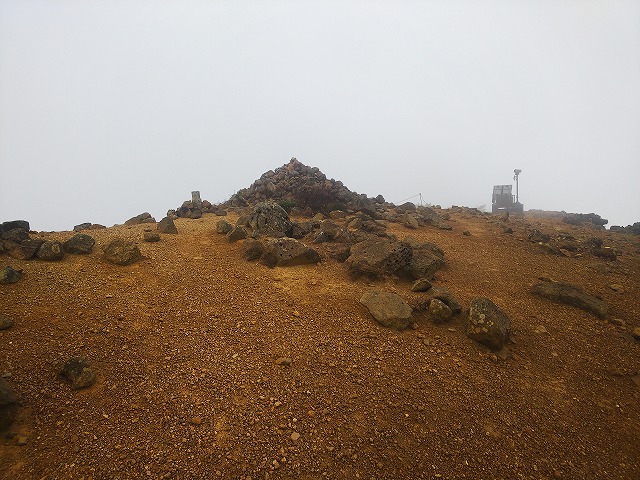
<point>196,200</point>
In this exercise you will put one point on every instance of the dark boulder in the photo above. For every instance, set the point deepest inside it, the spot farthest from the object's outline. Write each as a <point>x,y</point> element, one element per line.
<point>14,224</point>
<point>82,226</point>
<point>388,308</point>
<point>8,404</point>
<point>271,220</point>
<point>538,237</point>
<point>151,237</point>
<point>77,370</point>
<point>195,213</point>
<point>439,311</point>
<point>253,249</point>
<point>16,235</point>
<point>51,251</point>
<point>79,244</point>
<point>5,322</point>
<point>285,252</point>
<point>8,275</point>
<point>571,295</point>
<point>223,227</point>
<point>424,262</point>
<point>23,250</point>
<point>142,218</point>
<point>378,256</point>
<point>488,324</point>
<point>166,225</point>
<point>237,233</point>
<point>122,252</point>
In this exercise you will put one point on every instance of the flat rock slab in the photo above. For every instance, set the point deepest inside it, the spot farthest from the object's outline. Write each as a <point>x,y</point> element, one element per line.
<point>389,309</point>
<point>571,295</point>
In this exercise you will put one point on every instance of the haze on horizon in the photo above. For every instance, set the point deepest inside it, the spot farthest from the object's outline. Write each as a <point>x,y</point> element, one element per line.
<point>109,109</point>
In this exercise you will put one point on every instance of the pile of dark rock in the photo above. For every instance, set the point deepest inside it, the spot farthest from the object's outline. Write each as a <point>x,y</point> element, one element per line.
<point>296,185</point>
<point>195,208</point>
<point>17,242</point>
<point>634,229</point>
<point>582,218</point>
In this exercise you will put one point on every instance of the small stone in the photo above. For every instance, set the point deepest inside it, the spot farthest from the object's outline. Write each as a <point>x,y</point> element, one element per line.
<point>421,285</point>
<point>196,421</point>
<point>617,321</point>
<point>5,322</point>
<point>8,275</point>
<point>636,333</point>
<point>616,287</point>
<point>283,361</point>
<point>295,436</point>
<point>466,233</point>
<point>151,237</point>
<point>22,440</point>
<point>540,329</point>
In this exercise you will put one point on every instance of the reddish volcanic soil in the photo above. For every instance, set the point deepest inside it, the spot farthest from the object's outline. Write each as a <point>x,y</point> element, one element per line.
<point>184,345</point>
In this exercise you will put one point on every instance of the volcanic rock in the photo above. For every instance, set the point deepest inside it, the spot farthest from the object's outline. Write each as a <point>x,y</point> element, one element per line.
<point>51,251</point>
<point>8,404</point>
<point>9,275</point>
<point>284,252</point>
<point>166,225</point>
<point>23,250</point>
<point>122,252</point>
<point>14,224</point>
<point>488,324</point>
<point>151,237</point>
<point>78,371</point>
<point>440,311</point>
<point>79,244</point>
<point>303,186</point>
<point>5,322</point>
<point>388,308</point>
<point>223,227</point>
<point>142,218</point>
<point>237,233</point>
<point>378,256</point>
<point>271,220</point>
<point>570,295</point>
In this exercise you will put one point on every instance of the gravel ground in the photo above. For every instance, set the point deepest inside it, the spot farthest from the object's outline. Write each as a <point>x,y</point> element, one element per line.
<point>187,347</point>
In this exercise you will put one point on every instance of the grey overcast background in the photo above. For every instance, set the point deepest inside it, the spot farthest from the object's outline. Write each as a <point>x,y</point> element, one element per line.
<point>112,108</point>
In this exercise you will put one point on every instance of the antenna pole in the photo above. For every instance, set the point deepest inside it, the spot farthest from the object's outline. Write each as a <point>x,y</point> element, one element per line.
<point>517,172</point>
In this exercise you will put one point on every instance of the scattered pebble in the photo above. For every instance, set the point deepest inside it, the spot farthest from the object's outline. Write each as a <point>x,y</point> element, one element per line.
<point>284,361</point>
<point>295,436</point>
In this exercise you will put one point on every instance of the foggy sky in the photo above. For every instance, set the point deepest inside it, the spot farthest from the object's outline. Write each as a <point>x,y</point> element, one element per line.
<point>111,108</point>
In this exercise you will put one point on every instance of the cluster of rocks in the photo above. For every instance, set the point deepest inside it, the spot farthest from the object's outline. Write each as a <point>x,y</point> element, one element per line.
<point>303,187</point>
<point>562,243</point>
<point>358,239</point>
<point>582,218</point>
<point>195,208</point>
<point>16,241</point>
<point>487,324</point>
<point>634,229</point>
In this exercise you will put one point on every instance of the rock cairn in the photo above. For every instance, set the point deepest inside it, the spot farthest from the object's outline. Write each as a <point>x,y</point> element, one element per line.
<point>303,187</point>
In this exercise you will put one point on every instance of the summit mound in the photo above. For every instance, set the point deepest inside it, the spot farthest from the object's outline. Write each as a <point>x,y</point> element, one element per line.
<point>306,188</point>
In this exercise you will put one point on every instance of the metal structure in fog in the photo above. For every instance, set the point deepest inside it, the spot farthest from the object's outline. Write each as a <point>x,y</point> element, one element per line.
<point>503,200</point>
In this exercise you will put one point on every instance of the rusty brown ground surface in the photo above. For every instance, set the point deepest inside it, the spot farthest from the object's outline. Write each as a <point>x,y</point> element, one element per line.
<point>184,345</point>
